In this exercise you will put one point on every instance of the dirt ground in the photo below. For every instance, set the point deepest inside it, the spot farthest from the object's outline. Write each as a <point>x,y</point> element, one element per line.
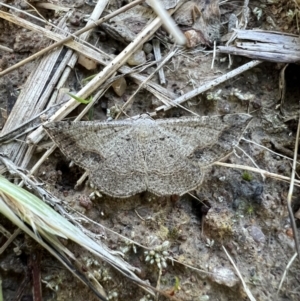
<point>236,209</point>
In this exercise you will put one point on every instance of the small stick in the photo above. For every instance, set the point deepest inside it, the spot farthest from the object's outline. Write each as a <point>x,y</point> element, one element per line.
<point>214,55</point>
<point>252,160</point>
<point>269,150</point>
<point>247,291</point>
<point>210,85</point>
<point>157,55</point>
<point>6,49</point>
<point>34,265</point>
<point>261,171</point>
<point>10,239</point>
<point>76,33</point>
<point>290,193</point>
<point>286,270</point>
<point>168,22</point>
<point>244,20</point>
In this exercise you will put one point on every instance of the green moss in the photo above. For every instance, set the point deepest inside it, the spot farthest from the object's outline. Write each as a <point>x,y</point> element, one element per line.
<point>173,233</point>
<point>247,176</point>
<point>249,209</point>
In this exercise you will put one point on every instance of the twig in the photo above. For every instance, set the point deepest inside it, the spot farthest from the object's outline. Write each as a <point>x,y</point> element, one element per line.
<point>10,239</point>
<point>261,171</point>
<point>210,85</point>
<point>157,55</point>
<point>290,193</point>
<point>244,19</point>
<point>28,125</point>
<point>214,55</point>
<point>158,283</point>
<point>6,49</point>
<point>286,270</point>
<point>247,291</point>
<point>168,22</point>
<point>34,266</point>
<point>269,150</point>
<point>52,6</point>
<point>252,160</point>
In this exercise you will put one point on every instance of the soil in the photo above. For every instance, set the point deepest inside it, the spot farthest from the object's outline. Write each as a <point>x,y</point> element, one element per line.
<point>235,209</point>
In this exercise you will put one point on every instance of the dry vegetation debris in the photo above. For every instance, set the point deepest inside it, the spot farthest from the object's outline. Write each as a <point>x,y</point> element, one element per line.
<point>232,238</point>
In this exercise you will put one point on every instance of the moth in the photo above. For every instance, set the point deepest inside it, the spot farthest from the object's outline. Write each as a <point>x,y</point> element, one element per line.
<point>165,156</point>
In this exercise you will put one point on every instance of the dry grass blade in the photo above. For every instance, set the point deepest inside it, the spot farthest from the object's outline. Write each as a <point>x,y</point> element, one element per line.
<point>247,291</point>
<point>55,247</point>
<point>19,205</point>
<point>286,270</point>
<point>44,220</point>
<point>10,240</point>
<point>261,171</point>
<point>290,193</point>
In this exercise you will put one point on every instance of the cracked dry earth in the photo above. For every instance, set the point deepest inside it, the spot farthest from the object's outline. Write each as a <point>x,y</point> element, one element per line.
<point>177,242</point>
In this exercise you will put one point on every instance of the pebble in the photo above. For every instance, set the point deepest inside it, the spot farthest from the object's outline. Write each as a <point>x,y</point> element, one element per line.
<point>289,232</point>
<point>225,276</point>
<point>138,58</point>
<point>223,108</point>
<point>232,22</point>
<point>193,38</point>
<point>85,202</point>
<point>256,103</point>
<point>75,20</point>
<point>257,234</point>
<point>150,57</point>
<point>148,48</point>
<point>119,86</point>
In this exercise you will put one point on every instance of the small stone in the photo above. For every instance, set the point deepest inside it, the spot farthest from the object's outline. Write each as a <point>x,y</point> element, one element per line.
<point>148,48</point>
<point>3,63</point>
<point>289,232</point>
<point>232,22</point>
<point>150,57</point>
<point>193,38</point>
<point>138,58</point>
<point>119,86</point>
<point>225,276</point>
<point>75,21</point>
<point>223,108</point>
<point>256,103</point>
<point>257,234</point>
